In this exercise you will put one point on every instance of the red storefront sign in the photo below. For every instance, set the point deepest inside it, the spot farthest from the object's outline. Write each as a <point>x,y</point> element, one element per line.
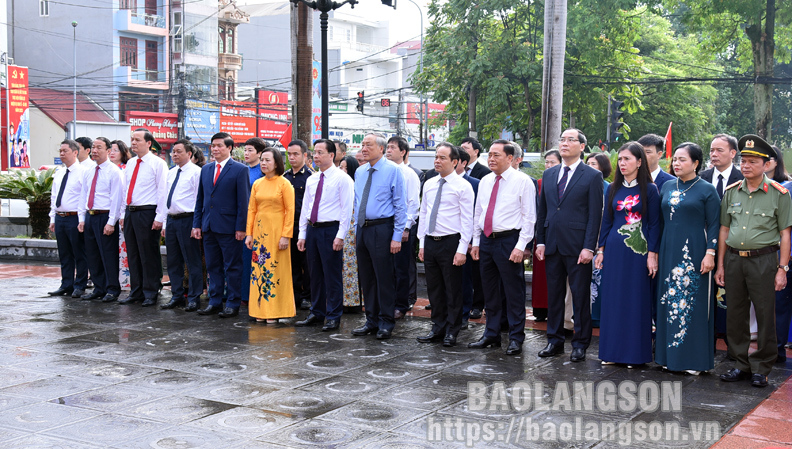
<point>435,111</point>
<point>163,126</point>
<point>273,114</point>
<point>238,118</point>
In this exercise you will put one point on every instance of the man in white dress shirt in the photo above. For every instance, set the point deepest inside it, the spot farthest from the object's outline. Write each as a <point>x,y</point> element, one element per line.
<point>85,144</point>
<point>144,198</point>
<point>99,212</point>
<point>504,220</point>
<point>444,231</point>
<point>67,185</point>
<point>324,222</point>
<point>183,182</point>
<point>395,151</point>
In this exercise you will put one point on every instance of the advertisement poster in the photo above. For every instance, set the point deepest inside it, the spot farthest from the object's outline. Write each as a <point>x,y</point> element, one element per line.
<point>163,126</point>
<point>18,139</point>
<point>435,112</point>
<point>316,96</point>
<point>273,113</point>
<point>238,118</point>
<point>201,121</point>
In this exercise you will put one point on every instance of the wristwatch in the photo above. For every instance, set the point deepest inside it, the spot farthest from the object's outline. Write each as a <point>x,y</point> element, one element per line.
<point>784,267</point>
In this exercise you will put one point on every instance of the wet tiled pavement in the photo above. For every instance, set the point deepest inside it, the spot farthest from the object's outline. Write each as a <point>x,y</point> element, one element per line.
<point>77,374</point>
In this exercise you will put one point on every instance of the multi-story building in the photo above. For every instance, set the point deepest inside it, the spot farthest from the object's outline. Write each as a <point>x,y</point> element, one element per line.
<point>229,61</point>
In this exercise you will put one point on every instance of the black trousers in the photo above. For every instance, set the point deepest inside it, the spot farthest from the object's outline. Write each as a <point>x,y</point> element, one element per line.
<point>71,253</point>
<point>478,287</point>
<point>224,266</point>
<point>401,261</point>
<point>412,294</point>
<point>301,277</point>
<point>376,274</point>
<point>444,284</point>
<point>184,249</point>
<point>560,269</point>
<point>143,252</point>
<point>326,265</point>
<point>102,254</point>
<point>504,279</point>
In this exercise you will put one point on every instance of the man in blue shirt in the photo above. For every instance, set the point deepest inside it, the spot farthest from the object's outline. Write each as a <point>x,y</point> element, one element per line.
<point>380,216</point>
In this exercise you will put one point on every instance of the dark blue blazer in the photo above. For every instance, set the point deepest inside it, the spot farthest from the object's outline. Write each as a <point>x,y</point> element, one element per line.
<point>474,183</point>
<point>222,207</point>
<point>662,178</point>
<point>571,224</point>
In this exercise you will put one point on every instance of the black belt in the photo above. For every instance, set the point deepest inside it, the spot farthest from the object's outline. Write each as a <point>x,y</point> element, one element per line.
<point>443,237</point>
<point>377,221</point>
<point>755,252</point>
<point>98,212</point>
<point>323,224</point>
<point>136,208</point>
<point>497,235</point>
<point>65,214</point>
<point>181,215</point>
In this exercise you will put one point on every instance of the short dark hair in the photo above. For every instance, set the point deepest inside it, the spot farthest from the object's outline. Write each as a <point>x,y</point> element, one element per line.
<point>401,142</point>
<point>464,157</point>
<point>731,140</point>
<point>280,168</point>
<point>340,146</point>
<point>126,155</point>
<point>86,142</point>
<point>258,143</point>
<point>227,139</point>
<point>72,144</point>
<point>694,151</point>
<point>454,152</point>
<point>329,145</point>
<point>198,155</point>
<point>188,146</point>
<point>555,153</point>
<point>604,163</point>
<point>352,166</point>
<point>652,140</point>
<point>105,140</point>
<point>148,137</point>
<point>475,143</point>
<point>303,146</point>
<point>508,148</point>
<point>581,136</point>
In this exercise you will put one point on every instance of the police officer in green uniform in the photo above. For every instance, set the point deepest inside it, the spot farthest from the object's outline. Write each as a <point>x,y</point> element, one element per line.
<point>756,215</point>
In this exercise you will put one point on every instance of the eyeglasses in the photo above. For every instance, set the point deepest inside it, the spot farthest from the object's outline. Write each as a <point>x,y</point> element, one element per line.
<point>568,139</point>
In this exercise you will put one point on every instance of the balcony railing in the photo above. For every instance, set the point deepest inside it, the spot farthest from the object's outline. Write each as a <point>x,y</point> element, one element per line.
<point>230,61</point>
<point>148,20</point>
<point>147,75</point>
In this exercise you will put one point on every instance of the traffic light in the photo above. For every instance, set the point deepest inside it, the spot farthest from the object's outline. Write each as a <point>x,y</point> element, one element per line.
<point>361,100</point>
<point>616,120</point>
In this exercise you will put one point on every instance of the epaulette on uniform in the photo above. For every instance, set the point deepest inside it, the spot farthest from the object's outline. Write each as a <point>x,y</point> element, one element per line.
<point>779,187</point>
<point>733,185</point>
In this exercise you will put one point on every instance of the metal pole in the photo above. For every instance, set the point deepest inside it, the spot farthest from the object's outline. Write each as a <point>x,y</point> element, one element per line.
<point>325,83</point>
<point>422,124</point>
<point>74,120</point>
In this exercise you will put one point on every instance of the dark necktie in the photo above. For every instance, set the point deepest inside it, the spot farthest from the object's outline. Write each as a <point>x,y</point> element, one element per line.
<point>562,183</point>
<point>719,187</point>
<point>435,208</point>
<point>364,198</point>
<point>173,187</point>
<point>317,198</point>
<point>62,188</point>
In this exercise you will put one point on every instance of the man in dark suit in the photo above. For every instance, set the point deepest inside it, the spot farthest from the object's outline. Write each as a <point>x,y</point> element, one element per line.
<point>475,168</point>
<point>220,220</point>
<point>653,147</point>
<point>471,279</point>
<point>568,219</point>
<point>723,173</point>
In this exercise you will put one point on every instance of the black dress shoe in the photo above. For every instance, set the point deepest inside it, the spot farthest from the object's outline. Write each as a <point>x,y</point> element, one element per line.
<point>209,310</point>
<point>428,307</point>
<point>77,293</point>
<point>173,303</point>
<point>365,330</point>
<point>148,302</point>
<point>310,320</point>
<point>94,295</point>
<point>551,349</point>
<point>759,380</point>
<point>110,298</point>
<point>578,355</point>
<point>128,300</point>
<point>486,342</point>
<point>734,375</point>
<point>228,312</point>
<point>781,359</point>
<point>449,340</point>
<point>330,325</point>
<point>475,314</point>
<point>382,334</point>
<point>430,338</point>
<point>305,305</point>
<point>514,348</point>
<point>192,306</point>
<point>61,292</point>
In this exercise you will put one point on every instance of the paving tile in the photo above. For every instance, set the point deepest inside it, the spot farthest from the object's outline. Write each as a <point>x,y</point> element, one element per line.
<point>773,408</point>
<point>244,421</point>
<point>768,429</point>
<point>175,409</point>
<point>42,416</point>
<point>110,429</point>
<point>318,433</point>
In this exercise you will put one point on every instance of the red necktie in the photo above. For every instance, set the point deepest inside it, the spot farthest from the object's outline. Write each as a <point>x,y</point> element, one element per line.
<point>217,175</point>
<point>132,183</point>
<point>317,199</point>
<point>92,193</point>
<point>491,207</point>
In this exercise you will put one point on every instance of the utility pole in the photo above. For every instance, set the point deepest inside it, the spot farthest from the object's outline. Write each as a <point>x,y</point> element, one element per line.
<point>555,20</point>
<point>398,113</point>
<point>302,65</point>
<point>182,106</point>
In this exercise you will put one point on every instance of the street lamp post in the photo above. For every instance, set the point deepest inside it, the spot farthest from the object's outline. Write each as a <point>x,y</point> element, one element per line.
<point>325,6</point>
<point>74,105</point>
<point>422,123</point>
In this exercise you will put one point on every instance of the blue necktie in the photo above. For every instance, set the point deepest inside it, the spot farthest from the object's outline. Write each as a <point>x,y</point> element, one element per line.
<point>562,183</point>
<point>173,187</point>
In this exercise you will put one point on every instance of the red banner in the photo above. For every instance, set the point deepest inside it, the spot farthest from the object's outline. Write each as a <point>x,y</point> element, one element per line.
<point>163,126</point>
<point>435,111</point>
<point>273,113</point>
<point>16,120</point>
<point>238,118</point>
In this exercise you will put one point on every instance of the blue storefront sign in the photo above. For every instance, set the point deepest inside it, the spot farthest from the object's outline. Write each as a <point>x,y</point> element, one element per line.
<point>201,121</point>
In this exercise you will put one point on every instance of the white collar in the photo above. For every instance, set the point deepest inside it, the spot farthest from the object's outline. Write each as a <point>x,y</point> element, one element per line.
<point>632,183</point>
<point>656,172</point>
<point>726,173</point>
<point>223,164</point>
<point>571,167</point>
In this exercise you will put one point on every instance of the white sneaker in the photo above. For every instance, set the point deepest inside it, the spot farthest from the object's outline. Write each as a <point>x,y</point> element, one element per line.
<point>692,372</point>
<point>608,363</point>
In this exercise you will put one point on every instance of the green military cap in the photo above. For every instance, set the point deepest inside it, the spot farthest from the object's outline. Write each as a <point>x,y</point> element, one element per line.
<point>753,145</point>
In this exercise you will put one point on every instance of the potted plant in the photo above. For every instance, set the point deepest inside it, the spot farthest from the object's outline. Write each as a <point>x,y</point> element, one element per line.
<point>35,188</point>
